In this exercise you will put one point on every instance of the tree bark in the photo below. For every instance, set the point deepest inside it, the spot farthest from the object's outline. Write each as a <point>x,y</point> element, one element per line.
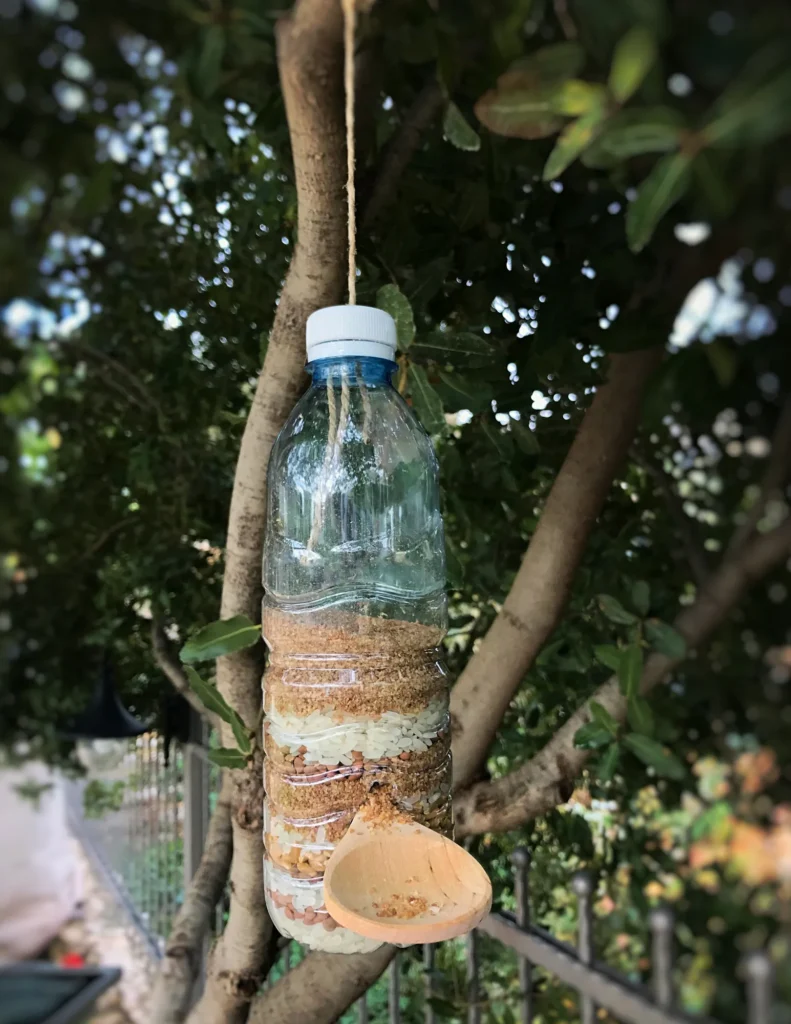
<point>320,988</point>
<point>542,586</point>
<point>545,781</point>
<point>309,42</point>
<point>182,961</point>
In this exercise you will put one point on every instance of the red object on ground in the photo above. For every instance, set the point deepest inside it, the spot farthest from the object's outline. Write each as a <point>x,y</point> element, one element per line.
<point>72,960</point>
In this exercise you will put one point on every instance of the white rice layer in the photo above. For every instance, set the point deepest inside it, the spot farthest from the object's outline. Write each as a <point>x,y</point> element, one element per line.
<point>328,741</point>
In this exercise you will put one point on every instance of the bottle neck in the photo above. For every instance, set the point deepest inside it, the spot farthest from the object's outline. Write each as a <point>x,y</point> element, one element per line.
<point>368,370</point>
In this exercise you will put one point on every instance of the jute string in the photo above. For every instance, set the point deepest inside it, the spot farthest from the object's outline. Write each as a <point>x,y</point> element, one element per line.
<point>336,422</point>
<point>349,30</point>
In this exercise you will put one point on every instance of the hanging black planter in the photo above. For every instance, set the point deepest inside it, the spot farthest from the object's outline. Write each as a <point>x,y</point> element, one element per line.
<point>105,717</point>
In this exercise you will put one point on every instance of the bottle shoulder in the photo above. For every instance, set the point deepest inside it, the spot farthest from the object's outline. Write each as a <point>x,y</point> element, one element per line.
<point>374,421</point>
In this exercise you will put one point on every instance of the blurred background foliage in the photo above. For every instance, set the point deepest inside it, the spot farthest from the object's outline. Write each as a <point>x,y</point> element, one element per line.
<point>600,178</point>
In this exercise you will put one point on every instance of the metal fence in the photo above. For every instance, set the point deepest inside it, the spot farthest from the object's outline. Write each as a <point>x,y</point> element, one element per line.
<point>598,987</point>
<point>152,845</point>
<point>149,847</point>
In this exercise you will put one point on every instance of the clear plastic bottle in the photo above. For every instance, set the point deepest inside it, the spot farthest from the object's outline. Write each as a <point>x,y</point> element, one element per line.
<point>356,692</point>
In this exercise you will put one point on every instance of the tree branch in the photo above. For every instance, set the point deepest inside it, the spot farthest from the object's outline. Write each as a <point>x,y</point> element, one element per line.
<point>181,964</point>
<point>309,44</point>
<point>695,554</point>
<point>401,149</point>
<point>775,475</point>
<point>542,586</point>
<point>545,780</point>
<point>320,988</point>
<point>171,668</point>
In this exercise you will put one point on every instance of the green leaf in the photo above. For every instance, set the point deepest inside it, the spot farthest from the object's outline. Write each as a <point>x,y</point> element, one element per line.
<point>574,138</point>
<point>227,757</point>
<point>392,300</point>
<point>553,63</point>
<point>425,400</point>
<point>206,72</point>
<point>525,438</point>
<point>640,715</point>
<point>209,696</point>
<point>499,440</point>
<point>655,756</point>
<point>609,655</point>
<point>603,717</point>
<point>662,189</point>
<point>212,127</point>
<point>608,762</point>
<point>219,638</point>
<point>443,1009</point>
<point>630,669</point>
<point>664,639</point>
<point>576,97</point>
<point>634,55</point>
<point>592,736</point>
<point>641,597</point>
<point>710,820</point>
<point>464,393</point>
<point>428,281</point>
<point>448,346</point>
<point>521,106</point>
<point>240,733</point>
<point>458,132</point>
<point>643,130</point>
<point>757,108</point>
<point>614,610</point>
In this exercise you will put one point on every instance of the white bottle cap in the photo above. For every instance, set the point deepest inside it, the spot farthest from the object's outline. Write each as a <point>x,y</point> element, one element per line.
<point>338,331</point>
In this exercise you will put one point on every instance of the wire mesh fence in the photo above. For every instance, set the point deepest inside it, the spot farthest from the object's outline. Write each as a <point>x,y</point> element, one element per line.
<point>149,842</point>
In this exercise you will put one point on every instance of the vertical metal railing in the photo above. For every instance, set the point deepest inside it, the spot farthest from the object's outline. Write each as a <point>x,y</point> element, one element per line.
<point>582,886</point>
<point>520,862</point>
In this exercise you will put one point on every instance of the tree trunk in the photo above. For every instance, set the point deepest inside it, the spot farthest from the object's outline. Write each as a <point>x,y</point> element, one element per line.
<point>310,63</point>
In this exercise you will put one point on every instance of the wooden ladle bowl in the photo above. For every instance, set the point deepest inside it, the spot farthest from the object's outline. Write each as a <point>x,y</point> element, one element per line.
<point>404,884</point>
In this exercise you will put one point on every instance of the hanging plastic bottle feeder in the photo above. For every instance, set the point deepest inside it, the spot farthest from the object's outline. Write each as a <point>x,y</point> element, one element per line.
<point>356,693</point>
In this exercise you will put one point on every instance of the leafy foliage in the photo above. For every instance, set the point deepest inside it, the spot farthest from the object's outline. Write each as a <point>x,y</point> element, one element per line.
<point>151,218</point>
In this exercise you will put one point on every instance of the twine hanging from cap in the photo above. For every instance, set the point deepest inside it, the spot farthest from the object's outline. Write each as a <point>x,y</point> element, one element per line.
<point>337,423</point>
<point>349,30</point>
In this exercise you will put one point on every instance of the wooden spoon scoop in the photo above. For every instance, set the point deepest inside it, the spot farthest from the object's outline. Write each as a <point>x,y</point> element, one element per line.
<point>402,883</point>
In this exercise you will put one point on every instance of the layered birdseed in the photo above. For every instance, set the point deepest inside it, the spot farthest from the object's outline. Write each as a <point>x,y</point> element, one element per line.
<point>363,667</point>
<point>425,795</point>
<point>297,910</point>
<point>354,705</point>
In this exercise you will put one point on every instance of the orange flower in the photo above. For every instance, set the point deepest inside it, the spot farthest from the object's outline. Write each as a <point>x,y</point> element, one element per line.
<point>757,770</point>
<point>704,853</point>
<point>752,854</point>
<point>781,845</point>
<point>606,905</point>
